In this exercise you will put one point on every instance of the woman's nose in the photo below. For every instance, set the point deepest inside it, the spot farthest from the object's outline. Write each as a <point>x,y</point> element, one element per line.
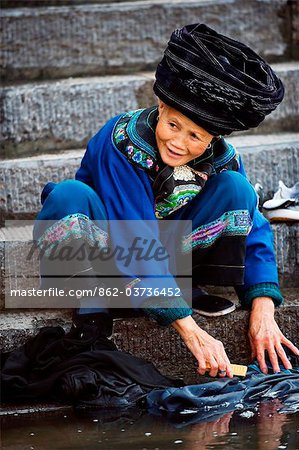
<point>179,143</point>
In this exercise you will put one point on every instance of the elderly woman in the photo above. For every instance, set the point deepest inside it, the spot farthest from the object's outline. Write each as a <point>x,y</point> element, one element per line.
<point>171,162</point>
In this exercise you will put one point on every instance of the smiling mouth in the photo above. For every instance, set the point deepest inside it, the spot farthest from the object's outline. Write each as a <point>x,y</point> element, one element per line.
<point>172,153</point>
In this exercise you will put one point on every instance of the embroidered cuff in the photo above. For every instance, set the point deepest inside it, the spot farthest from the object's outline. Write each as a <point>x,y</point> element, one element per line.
<point>262,290</point>
<point>166,311</point>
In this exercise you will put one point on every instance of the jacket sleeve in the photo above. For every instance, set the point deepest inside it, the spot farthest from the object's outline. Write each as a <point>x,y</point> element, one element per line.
<point>261,277</point>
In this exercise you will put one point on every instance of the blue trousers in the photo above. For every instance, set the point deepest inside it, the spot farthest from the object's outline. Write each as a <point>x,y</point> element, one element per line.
<point>222,216</point>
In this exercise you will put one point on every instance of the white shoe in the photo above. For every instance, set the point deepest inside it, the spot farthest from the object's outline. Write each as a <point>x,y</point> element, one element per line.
<point>284,206</point>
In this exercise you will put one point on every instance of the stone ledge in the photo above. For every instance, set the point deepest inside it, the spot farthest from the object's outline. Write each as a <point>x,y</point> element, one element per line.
<point>20,409</point>
<point>47,116</point>
<point>143,337</point>
<point>266,158</point>
<point>65,114</point>
<point>47,3</point>
<point>269,158</point>
<point>109,38</point>
<point>17,273</point>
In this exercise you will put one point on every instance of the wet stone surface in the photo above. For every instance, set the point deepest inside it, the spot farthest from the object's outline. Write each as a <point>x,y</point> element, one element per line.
<point>258,429</point>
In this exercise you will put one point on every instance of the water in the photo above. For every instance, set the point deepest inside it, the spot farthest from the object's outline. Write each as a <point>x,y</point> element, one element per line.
<point>264,429</point>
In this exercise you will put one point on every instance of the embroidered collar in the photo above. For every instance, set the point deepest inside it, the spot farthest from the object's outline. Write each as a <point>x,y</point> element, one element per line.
<point>134,136</point>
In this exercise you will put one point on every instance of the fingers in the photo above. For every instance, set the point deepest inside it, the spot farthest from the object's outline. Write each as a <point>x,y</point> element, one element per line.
<point>208,351</point>
<point>274,351</point>
<point>253,350</point>
<point>212,367</point>
<point>229,369</point>
<point>217,366</point>
<point>284,359</point>
<point>224,366</point>
<point>202,365</point>
<point>290,345</point>
<point>222,371</point>
<point>273,359</point>
<point>260,356</point>
<point>265,335</point>
<point>213,360</point>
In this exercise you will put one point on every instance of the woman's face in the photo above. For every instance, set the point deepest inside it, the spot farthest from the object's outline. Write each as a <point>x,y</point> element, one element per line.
<point>179,139</point>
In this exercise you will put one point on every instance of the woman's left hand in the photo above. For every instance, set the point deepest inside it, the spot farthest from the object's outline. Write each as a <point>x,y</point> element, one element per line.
<point>264,334</point>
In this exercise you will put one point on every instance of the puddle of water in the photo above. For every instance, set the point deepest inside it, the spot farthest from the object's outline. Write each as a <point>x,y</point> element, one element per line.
<point>265,429</point>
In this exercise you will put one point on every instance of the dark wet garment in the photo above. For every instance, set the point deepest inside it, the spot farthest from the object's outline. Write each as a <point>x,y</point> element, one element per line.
<point>207,401</point>
<point>78,367</point>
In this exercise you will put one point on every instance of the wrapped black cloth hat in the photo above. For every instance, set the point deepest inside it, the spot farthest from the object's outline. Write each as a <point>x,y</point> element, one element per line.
<point>219,83</point>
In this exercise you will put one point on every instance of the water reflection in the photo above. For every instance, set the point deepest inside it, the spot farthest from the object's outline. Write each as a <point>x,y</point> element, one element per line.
<point>265,429</point>
<point>205,433</point>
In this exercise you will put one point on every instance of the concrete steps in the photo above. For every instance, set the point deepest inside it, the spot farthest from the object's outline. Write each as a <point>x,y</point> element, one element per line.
<point>34,3</point>
<point>65,114</point>
<point>20,266</point>
<point>120,37</point>
<point>24,178</point>
<point>142,337</point>
<point>267,159</point>
<point>43,116</point>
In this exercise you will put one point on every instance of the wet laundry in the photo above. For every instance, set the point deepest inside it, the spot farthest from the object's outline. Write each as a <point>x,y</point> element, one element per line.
<point>85,369</point>
<point>195,403</point>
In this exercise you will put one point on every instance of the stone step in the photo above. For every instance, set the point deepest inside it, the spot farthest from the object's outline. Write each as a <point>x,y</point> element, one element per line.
<point>47,116</point>
<point>19,265</point>
<point>267,159</point>
<point>23,179</point>
<point>113,37</point>
<point>33,3</point>
<point>142,337</point>
<point>65,114</point>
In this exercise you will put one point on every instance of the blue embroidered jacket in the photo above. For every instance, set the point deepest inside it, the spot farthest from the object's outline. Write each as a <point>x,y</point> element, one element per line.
<point>127,193</point>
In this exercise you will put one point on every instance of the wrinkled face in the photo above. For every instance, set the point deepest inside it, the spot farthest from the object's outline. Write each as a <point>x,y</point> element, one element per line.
<point>179,139</point>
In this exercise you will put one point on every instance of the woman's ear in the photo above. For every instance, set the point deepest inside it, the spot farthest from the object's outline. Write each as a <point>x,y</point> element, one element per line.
<point>161,105</point>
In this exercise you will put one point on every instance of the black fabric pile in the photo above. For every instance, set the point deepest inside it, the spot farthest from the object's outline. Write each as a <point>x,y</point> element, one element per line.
<point>79,368</point>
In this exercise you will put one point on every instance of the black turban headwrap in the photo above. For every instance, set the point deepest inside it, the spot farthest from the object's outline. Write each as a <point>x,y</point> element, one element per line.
<point>219,83</point>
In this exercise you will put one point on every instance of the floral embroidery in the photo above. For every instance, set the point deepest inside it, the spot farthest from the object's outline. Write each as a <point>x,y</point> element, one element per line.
<point>180,196</point>
<point>131,151</point>
<point>73,226</point>
<point>137,156</point>
<point>231,223</point>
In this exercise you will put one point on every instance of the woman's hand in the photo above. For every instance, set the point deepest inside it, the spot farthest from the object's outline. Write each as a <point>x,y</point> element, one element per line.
<point>264,334</point>
<point>208,351</point>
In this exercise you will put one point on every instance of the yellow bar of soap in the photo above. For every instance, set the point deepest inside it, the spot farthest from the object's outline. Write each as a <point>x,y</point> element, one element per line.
<point>238,370</point>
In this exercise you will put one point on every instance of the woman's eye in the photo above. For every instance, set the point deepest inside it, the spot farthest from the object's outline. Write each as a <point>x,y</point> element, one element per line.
<point>172,125</point>
<point>194,136</point>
